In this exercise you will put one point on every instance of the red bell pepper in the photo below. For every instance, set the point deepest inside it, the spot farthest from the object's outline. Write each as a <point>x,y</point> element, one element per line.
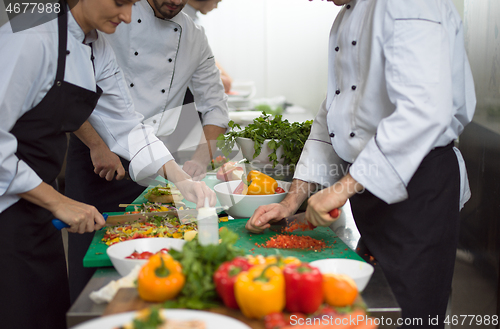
<point>303,288</point>
<point>225,277</point>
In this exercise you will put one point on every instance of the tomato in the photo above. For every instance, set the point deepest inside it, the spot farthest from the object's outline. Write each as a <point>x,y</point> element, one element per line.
<point>164,251</point>
<point>279,190</point>
<point>274,321</point>
<point>145,255</point>
<point>133,255</point>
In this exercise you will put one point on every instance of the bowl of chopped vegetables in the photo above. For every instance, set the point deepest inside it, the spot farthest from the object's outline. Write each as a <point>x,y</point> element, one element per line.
<point>359,271</point>
<point>243,206</point>
<point>126,255</point>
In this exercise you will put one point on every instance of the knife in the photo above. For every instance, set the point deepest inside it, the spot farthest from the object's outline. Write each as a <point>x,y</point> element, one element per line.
<point>185,216</point>
<point>297,222</point>
<point>293,223</point>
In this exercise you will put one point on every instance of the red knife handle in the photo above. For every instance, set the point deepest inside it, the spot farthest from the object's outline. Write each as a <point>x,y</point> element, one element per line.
<point>335,213</point>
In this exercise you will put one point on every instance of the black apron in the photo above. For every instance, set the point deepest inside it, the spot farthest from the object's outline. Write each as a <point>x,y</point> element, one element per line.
<point>33,279</point>
<point>83,185</point>
<point>415,241</point>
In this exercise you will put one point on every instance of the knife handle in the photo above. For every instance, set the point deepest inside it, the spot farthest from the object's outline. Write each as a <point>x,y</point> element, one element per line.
<point>59,224</point>
<point>335,212</point>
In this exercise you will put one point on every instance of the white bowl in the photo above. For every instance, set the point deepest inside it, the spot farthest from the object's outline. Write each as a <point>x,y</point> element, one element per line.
<point>247,149</point>
<point>119,251</point>
<point>360,272</point>
<point>243,206</point>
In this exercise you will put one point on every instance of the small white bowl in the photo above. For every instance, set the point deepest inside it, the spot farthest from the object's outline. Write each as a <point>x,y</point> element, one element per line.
<point>360,272</point>
<point>119,251</point>
<point>243,206</point>
<point>247,150</point>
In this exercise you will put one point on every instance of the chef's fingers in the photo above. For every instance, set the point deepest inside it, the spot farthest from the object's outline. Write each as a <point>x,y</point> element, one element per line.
<point>99,221</point>
<point>120,172</point>
<point>212,197</point>
<point>261,217</point>
<point>110,174</point>
<point>200,175</point>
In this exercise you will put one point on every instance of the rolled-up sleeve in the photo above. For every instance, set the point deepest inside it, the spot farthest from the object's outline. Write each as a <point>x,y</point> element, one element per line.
<point>119,125</point>
<point>418,76</point>
<point>318,162</point>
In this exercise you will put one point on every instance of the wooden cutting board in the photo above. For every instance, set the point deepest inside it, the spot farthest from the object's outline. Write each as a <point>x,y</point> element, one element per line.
<point>127,299</point>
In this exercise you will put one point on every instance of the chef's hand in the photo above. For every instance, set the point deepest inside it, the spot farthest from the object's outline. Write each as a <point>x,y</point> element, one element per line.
<point>106,163</point>
<point>79,216</point>
<point>297,194</point>
<point>196,192</point>
<point>265,214</point>
<point>195,169</point>
<point>320,204</point>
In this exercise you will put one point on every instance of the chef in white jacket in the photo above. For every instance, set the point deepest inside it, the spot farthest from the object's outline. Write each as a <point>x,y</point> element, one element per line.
<point>400,92</point>
<point>161,52</point>
<point>48,87</point>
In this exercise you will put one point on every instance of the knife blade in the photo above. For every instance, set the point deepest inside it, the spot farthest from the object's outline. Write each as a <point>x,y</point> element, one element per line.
<point>293,223</point>
<point>185,216</point>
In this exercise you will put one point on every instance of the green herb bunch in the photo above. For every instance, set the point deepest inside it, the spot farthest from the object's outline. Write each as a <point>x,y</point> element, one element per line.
<point>292,136</point>
<point>198,265</point>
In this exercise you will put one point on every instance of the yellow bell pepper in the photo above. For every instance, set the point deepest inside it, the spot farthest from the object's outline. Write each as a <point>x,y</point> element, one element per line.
<point>260,291</point>
<point>160,278</point>
<point>260,184</point>
<point>281,261</point>
<point>256,260</point>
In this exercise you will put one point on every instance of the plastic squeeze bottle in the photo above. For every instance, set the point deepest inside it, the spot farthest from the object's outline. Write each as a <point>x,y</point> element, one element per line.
<point>208,225</point>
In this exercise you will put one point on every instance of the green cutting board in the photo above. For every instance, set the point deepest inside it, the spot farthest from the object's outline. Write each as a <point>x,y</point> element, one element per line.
<point>96,254</point>
<point>336,248</point>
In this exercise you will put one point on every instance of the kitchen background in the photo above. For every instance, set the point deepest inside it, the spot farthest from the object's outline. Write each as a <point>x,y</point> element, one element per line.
<point>281,46</point>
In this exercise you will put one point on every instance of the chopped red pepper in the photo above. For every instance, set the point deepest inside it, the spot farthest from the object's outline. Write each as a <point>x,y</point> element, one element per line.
<point>225,277</point>
<point>303,288</point>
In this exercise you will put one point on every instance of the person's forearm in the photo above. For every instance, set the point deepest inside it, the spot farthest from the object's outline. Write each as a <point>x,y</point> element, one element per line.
<point>175,172</point>
<point>89,136</point>
<point>43,195</point>
<point>298,192</point>
<point>207,146</point>
<point>211,133</point>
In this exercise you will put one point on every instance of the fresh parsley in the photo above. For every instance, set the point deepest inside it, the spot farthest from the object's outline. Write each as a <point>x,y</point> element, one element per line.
<point>198,265</point>
<point>292,136</point>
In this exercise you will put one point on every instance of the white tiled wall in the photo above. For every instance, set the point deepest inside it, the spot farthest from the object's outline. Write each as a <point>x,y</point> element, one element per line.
<point>281,45</point>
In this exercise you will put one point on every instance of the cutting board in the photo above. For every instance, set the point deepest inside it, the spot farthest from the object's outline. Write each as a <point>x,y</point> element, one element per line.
<point>96,254</point>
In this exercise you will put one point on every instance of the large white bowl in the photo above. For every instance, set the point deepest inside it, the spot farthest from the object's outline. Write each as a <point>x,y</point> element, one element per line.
<point>119,251</point>
<point>247,149</point>
<point>360,272</point>
<point>243,206</point>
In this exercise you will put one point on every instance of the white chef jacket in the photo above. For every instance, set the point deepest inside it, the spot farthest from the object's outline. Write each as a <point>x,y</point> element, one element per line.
<point>191,12</point>
<point>27,72</point>
<point>160,59</point>
<point>399,85</point>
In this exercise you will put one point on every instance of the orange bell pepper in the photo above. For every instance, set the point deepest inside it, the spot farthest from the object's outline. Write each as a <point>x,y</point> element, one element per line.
<point>260,184</point>
<point>160,279</point>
